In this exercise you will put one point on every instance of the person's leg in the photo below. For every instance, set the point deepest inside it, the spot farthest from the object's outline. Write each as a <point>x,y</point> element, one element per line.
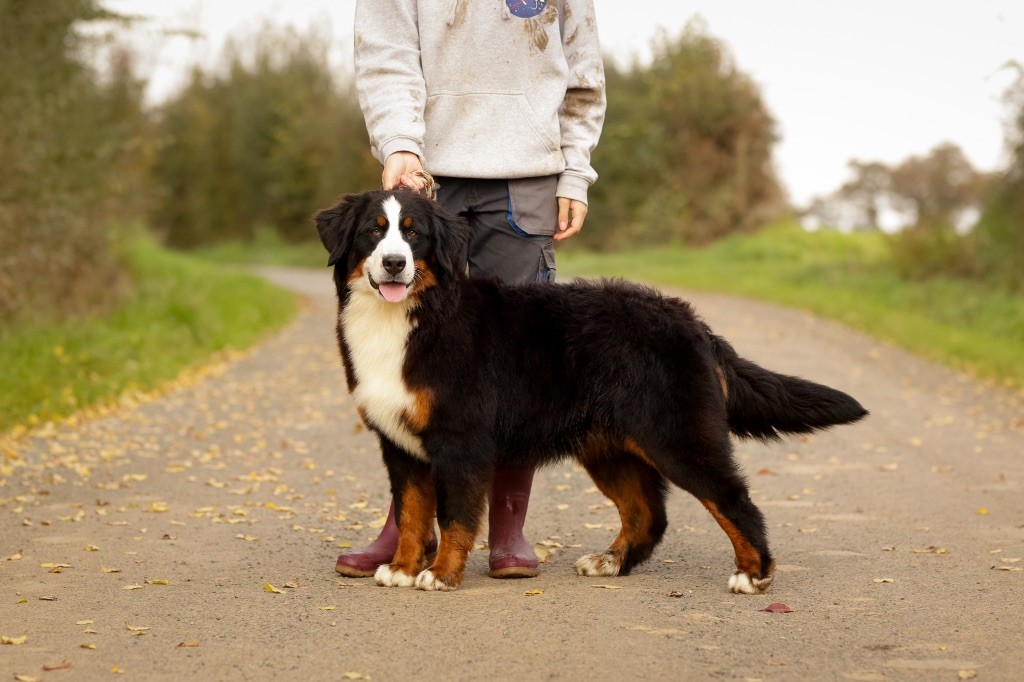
<point>512,241</point>
<point>364,563</point>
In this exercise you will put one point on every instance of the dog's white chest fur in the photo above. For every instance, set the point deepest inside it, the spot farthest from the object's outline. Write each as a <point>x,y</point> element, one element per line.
<point>376,334</point>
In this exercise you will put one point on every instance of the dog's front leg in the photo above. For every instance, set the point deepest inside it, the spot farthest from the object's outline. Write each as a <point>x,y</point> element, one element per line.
<point>413,491</point>
<point>461,482</point>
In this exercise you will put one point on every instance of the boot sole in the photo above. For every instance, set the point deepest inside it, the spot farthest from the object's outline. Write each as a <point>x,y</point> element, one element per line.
<point>514,572</point>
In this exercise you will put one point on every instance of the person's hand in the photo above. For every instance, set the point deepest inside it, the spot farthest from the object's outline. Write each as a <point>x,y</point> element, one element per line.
<point>571,214</point>
<point>398,169</point>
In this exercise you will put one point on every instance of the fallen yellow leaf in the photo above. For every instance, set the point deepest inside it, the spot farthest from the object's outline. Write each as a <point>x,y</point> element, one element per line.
<point>131,587</point>
<point>608,587</point>
<point>87,645</point>
<point>270,588</point>
<point>983,510</point>
<point>4,639</point>
<point>355,676</point>
<point>92,548</point>
<point>158,581</point>
<point>84,622</point>
<point>190,645</point>
<point>27,678</point>
<point>328,608</point>
<point>884,580</point>
<point>533,593</point>
<point>105,569</point>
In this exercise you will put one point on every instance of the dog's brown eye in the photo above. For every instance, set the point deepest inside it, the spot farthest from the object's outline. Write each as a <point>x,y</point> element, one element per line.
<point>412,233</point>
<point>377,232</point>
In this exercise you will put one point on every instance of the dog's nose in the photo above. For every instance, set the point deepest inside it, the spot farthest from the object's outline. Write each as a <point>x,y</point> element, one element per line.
<point>394,264</point>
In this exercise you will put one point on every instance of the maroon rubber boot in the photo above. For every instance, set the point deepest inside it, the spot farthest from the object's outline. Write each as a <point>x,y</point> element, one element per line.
<point>363,564</point>
<point>511,555</point>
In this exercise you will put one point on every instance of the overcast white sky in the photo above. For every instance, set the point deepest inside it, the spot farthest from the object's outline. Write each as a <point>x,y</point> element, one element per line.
<point>870,79</point>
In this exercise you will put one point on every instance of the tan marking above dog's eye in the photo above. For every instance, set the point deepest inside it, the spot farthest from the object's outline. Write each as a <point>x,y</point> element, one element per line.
<point>382,221</point>
<point>407,222</point>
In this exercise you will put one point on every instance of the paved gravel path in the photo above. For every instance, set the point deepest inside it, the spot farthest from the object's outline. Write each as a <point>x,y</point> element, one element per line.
<point>146,541</point>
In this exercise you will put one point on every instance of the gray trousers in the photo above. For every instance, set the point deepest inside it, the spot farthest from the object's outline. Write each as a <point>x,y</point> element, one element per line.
<point>512,221</point>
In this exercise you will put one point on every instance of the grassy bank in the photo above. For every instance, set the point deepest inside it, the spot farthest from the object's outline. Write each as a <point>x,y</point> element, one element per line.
<point>182,312</point>
<point>268,248</point>
<point>850,278</point>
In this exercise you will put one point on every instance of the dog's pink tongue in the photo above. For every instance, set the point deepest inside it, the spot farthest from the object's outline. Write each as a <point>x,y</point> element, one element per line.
<point>393,292</point>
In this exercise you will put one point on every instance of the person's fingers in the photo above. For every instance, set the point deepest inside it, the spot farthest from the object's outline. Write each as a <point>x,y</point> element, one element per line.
<point>413,182</point>
<point>563,214</point>
<point>396,170</point>
<point>570,232</point>
<point>577,213</point>
<point>391,176</point>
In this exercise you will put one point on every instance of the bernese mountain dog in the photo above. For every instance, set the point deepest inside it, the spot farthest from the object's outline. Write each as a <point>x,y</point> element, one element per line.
<point>456,375</point>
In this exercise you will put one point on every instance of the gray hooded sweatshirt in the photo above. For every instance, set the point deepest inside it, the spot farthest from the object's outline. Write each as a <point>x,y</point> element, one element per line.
<point>483,88</point>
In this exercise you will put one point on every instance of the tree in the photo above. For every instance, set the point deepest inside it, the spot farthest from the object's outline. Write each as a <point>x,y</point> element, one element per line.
<point>939,187</point>
<point>686,151</point>
<point>263,142</point>
<point>1000,233</point>
<point>867,192</point>
<point>65,136</point>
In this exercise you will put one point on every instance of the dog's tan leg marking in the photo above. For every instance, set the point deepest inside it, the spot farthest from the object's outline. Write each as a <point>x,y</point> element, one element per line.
<point>414,528</point>
<point>446,573</point>
<point>627,492</point>
<point>750,576</point>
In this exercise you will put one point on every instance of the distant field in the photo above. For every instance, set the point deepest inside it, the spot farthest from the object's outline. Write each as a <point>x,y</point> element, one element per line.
<point>845,277</point>
<point>182,313</point>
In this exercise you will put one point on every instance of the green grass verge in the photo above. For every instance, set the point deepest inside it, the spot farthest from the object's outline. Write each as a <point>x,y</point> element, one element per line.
<point>182,312</point>
<point>850,278</point>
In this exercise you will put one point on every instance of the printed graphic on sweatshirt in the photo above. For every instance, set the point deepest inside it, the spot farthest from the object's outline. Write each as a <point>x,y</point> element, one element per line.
<point>525,9</point>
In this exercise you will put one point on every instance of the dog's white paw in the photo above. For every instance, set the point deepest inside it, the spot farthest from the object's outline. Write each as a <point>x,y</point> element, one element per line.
<point>598,565</point>
<point>426,580</point>
<point>742,583</point>
<point>389,578</point>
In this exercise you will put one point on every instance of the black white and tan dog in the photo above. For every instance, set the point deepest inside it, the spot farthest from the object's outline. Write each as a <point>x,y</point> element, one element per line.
<point>456,375</point>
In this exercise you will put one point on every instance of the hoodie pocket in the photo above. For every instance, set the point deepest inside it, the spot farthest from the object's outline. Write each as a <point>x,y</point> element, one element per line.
<point>499,130</point>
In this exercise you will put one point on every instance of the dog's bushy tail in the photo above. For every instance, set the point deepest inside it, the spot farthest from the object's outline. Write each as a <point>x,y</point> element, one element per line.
<point>764,404</point>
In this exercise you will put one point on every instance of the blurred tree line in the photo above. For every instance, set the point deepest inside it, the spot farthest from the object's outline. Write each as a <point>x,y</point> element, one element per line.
<point>943,216</point>
<point>274,132</point>
<point>264,141</point>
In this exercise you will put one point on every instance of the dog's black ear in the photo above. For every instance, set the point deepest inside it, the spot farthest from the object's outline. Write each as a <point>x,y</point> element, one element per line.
<point>452,235</point>
<point>336,227</point>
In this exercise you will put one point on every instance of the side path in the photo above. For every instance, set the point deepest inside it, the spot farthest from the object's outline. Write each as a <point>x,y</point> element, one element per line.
<point>194,537</point>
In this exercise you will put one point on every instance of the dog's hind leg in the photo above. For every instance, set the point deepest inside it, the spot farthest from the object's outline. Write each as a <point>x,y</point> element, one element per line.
<point>638,492</point>
<point>708,472</point>
<point>413,491</point>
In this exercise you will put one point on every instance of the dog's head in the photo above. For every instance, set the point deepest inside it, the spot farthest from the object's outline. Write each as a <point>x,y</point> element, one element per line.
<point>398,243</point>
